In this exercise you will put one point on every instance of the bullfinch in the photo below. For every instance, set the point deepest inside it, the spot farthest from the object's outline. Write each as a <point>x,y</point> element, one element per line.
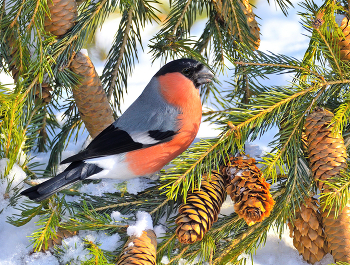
<point>156,128</point>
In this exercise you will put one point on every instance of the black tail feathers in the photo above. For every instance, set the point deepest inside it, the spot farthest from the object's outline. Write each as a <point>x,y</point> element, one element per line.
<point>75,172</point>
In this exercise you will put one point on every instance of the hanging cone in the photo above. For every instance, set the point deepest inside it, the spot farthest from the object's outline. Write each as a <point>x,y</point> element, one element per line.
<point>139,250</point>
<point>62,18</point>
<point>201,209</point>
<point>327,153</point>
<point>60,235</point>
<point>327,157</point>
<point>90,97</point>
<point>224,11</point>
<point>248,189</point>
<point>307,233</point>
<point>344,43</point>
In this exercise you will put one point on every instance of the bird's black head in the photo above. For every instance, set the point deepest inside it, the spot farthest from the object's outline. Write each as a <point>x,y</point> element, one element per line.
<point>192,69</point>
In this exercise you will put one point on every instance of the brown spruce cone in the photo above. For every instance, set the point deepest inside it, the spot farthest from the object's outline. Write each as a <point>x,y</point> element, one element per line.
<point>201,209</point>
<point>60,235</point>
<point>307,233</point>
<point>344,43</point>
<point>223,11</point>
<point>327,153</point>
<point>248,189</point>
<point>327,156</point>
<point>90,97</point>
<point>62,18</point>
<point>139,250</point>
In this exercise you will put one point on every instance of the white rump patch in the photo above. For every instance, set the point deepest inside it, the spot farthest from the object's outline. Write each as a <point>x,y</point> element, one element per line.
<point>114,167</point>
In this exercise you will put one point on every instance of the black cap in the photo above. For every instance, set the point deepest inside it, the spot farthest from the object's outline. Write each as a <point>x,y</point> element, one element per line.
<point>192,69</point>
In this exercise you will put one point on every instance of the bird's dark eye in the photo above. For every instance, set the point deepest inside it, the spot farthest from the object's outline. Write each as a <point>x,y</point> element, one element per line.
<point>186,71</point>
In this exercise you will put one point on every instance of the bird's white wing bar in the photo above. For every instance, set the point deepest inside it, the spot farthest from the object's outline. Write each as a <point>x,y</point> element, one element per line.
<point>143,138</point>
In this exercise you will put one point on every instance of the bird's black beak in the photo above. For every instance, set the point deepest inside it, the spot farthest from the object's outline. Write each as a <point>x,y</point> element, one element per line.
<point>203,76</point>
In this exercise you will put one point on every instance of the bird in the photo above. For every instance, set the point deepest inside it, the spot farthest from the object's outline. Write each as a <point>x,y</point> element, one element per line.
<point>157,127</point>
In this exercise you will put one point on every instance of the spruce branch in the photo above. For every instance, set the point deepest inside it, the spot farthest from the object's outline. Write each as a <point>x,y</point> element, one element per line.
<point>284,66</point>
<point>235,242</point>
<point>338,195</point>
<point>240,37</point>
<point>117,205</point>
<point>180,255</point>
<point>98,257</point>
<point>335,59</point>
<point>89,219</point>
<point>121,52</point>
<point>231,135</point>
<point>15,20</point>
<point>28,212</point>
<point>180,19</point>
<point>272,163</point>
<point>48,222</point>
<point>34,17</point>
<point>341,117</point>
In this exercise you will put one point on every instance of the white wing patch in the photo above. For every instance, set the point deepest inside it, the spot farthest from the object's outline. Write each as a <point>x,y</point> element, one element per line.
<point>143,138</point>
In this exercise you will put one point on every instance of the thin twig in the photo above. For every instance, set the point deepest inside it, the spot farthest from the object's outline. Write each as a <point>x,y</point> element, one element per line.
<point>121,53</point>
<point>159,206</point>
<point>280,65</point>
<point>181,17</point>
<point>237,24</point>
<point>33,17</point>
<point>179,255</point>
<point>330,50</point>
<point>117,205</point>
<point>18,14</point>
<point>166,243</point>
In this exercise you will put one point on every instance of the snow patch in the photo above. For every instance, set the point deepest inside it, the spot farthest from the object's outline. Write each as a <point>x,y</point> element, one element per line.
<point>40,258</point>
<point>106,242</point>
<point>165,260</point>
<point>227,206</point>
<point>14,178</point>
<point>75,251</point>
<point>116,216</point>
<point>160,231</point>
<point>143,222</point>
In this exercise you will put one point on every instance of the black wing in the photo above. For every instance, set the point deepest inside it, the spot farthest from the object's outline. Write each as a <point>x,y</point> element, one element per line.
<point>112,141</point>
